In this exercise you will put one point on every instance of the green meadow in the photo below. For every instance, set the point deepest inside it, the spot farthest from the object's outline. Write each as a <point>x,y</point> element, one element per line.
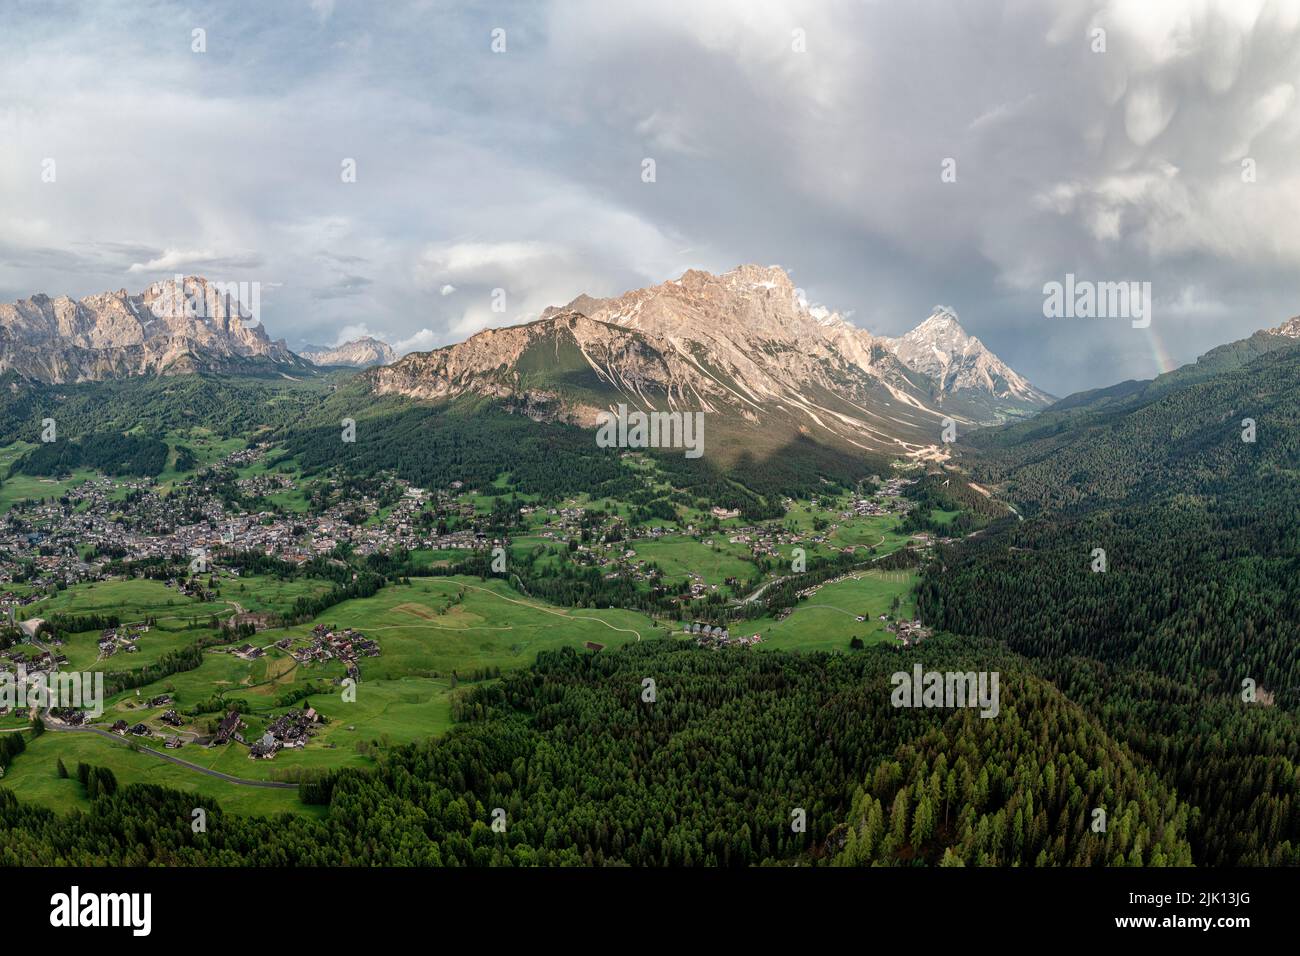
<point>828,620</point>
<point>679,557</point>
<point>437,626</point>
<point>434,634</point>
<point>33,776</point>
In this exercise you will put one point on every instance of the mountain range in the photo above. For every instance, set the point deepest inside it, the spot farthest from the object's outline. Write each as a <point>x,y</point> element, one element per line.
<point>173,327</point>
<point>743,346</point>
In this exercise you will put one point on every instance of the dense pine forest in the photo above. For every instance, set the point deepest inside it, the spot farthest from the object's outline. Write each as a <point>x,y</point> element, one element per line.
<point>1158,584</point>
<point>735,749</point>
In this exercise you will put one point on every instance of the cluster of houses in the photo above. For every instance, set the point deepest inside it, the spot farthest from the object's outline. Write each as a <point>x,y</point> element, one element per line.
<point>709,636</point>
<point>326,644</point>
<point>42,541</point>
<point>291,730</point>
<point>909,633</point>
<point>122,638</point>
<point>137,730</point>
<point>35,664</point>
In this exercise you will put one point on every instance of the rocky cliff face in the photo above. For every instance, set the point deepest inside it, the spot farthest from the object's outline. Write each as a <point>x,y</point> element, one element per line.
<point>740,344</point>
<point>173,327</point>
<point>941,349</point>
<point>359,353</point>
<point>1289,329</point>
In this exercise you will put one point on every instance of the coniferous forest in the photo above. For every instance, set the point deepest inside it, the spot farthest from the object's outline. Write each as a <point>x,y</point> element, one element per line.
<point>712,772</point>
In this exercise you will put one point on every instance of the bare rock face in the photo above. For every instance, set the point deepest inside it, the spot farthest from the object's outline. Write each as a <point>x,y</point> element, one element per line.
<point>940,348</point>
<point>359,353</point>
<point>1289,329</point>
<point>173,327</point>
<point>742,344</point>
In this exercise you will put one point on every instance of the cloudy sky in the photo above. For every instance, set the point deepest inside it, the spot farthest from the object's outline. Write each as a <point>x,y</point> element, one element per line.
<point>811,135</point>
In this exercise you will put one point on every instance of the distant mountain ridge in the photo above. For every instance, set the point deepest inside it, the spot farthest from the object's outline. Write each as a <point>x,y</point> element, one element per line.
<point>742,345</point>
<point>359,353</point>
<point>173,327</point>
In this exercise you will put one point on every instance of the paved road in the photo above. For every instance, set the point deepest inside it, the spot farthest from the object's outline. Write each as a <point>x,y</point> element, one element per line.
<point>267,784</point>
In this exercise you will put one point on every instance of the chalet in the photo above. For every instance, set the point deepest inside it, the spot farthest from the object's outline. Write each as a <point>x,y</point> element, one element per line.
<point>260,622</point>
<point>140,730</point>
<point>264,749</point>
<point>229,728</point>
<point>119,727</point>
<point>173,718</point>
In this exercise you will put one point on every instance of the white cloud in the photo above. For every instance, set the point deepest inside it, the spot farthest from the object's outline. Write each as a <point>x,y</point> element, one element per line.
<point>421,341</point>
<point>173,259</point>
<point>359,330</point>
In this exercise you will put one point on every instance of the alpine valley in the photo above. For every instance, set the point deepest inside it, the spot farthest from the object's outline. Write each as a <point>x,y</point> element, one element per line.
<point>358,603</point>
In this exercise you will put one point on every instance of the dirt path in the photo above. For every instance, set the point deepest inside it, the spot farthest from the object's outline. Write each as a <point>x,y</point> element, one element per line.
<point>547,610</point>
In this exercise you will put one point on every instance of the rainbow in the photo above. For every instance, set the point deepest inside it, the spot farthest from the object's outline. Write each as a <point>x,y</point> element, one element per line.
<point>1160,356</point>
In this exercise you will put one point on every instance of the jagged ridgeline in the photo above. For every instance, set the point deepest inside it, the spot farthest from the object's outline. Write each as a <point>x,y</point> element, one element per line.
<point>793,396</point>
<point>588,773</point>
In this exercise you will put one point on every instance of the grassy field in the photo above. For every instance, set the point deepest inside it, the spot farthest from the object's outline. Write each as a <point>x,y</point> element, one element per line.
<point>679,557</point>
<point>175,614</point>
<point>26,487</point>
<point>827,620</point>
<point>440,625</point>
<point>132,601</point>
<point>434,635</point>
<point>263,594</point>
<point>34,778</point>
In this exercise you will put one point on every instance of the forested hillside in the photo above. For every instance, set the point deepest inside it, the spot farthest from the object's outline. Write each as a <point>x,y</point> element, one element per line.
<point>111,453</point>
<point>152,405</point>
<point>1179,435</point>
<point>1157,581</point>
<point>711,772</point>
<point>472,440</point>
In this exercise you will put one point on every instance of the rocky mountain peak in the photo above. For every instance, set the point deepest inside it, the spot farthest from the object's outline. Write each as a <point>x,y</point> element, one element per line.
<point>1290,328</point>
<point>940,348</point>
<point>743,343</point>
<point>174,325</point>
<point>359,353</point>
